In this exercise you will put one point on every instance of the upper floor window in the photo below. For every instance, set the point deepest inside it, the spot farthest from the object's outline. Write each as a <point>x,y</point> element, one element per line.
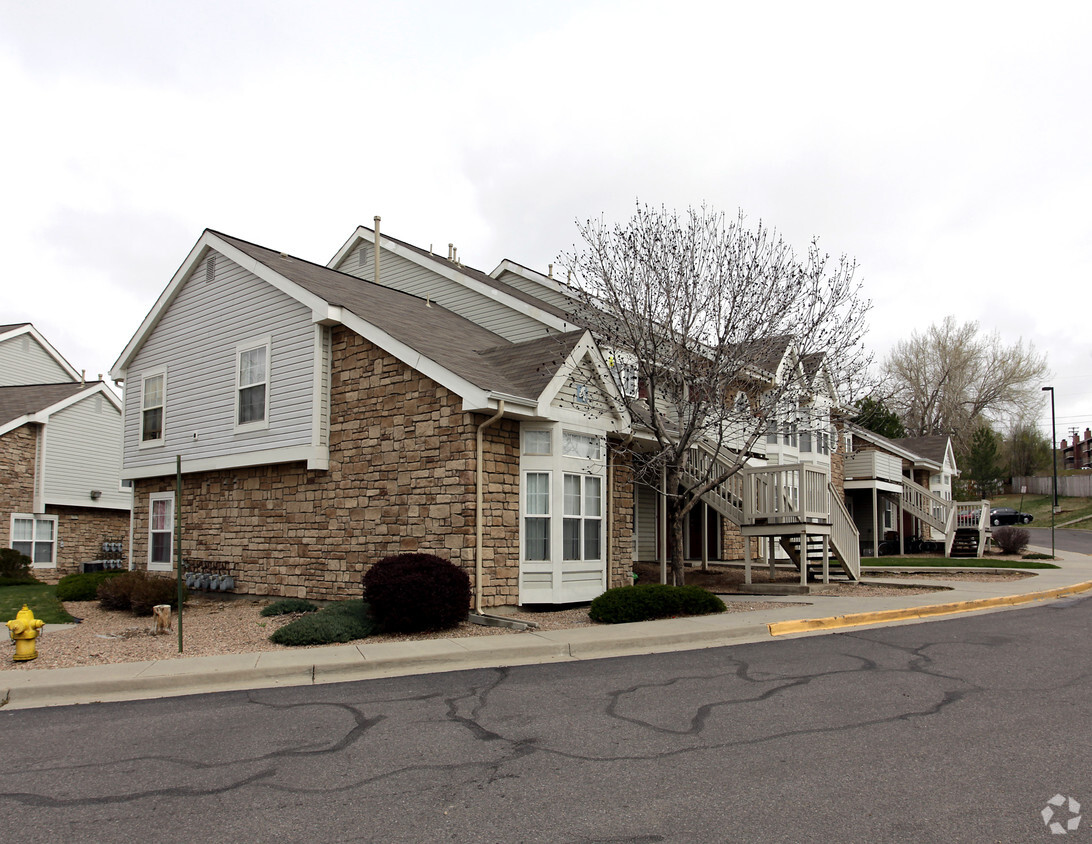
<point>537,441</point>
<point>582,445</point>
<point>253,383</point>
<point>153,401</point>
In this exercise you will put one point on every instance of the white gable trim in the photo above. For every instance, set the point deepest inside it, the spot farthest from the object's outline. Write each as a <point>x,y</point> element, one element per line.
<point>525,308</point>
<point>41,417</point>
<point>45,344</point>
<point>585,348</point>
<point>510,266</point>
<point>209,241</point>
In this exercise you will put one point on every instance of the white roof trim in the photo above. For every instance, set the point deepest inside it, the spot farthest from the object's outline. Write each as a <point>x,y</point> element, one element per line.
<point>209,241</point>
<point>451,274</point>
<point>45,344</point>
<point>586,348</point>
<point>510,266</point>
<point>41,417</point>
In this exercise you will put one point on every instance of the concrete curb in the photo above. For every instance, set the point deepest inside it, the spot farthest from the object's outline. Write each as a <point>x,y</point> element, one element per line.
<point>803,625</point>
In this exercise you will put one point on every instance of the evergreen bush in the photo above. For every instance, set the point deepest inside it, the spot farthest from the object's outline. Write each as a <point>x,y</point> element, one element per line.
<point>345,621</point>
<point>15,568</point>
<point>647,601</point>
<point>285,606</point>
<point>410,593</point>
<point>83,586</point>
<point>1011,540</point>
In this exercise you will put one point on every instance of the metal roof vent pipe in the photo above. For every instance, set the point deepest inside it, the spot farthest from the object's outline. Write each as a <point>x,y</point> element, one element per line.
<point>376,248</point>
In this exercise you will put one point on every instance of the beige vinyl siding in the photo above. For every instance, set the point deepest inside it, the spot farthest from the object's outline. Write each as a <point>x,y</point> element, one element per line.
<point>595,404</point>
<point>402,274</point>
<point>81,454</point>
<point>196,341</point>
<point>539,291</point>
<point>24,361</point>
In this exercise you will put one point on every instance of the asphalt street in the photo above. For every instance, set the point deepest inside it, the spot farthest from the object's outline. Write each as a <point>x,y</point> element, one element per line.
<point>957,730</point>
<point>1065,539</point>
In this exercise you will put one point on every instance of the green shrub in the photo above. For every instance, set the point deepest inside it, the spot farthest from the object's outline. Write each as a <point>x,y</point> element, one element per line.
<point>1011,540</point>
<point>409,593</point>
<point>15,568</point>
<point>652,600</point>
<point>288,605</point>
<point>345,621</point>
<point>83,586</point>
<point>1035,555</point>
<point>138,592</point>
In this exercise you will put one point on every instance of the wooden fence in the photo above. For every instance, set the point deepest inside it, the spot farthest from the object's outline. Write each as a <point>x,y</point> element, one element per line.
<point>1075,486</point>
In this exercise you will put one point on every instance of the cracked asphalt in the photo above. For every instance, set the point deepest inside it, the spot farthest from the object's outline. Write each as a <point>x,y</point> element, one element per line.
<point>956,730</point>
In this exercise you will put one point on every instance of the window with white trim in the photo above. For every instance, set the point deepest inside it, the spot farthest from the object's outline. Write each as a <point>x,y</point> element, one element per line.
<point>35,536</point>
<point>582,528</point>
<point>537,442</point>
<point>536,516</point>
<point>160,530</point>
<point>582,445</point>
<point>153,402</point>
<point>252,384</point>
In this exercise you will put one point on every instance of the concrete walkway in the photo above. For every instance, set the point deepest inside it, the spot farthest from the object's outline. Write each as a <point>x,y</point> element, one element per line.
<point>342,663</point>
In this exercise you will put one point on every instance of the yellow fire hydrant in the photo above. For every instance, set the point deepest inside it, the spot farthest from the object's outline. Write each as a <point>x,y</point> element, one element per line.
<point>23,630</point>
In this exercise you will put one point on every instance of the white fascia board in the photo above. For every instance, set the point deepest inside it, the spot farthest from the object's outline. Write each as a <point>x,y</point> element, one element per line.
<point>54,501</point>
<point>510,266</point>
<point>520,406</point>
<point>41,417</point>
<point>209,241</point>
<point>454,275</point>
<point>585,348</point>
<point>884,443</point>
<point>316,457</point>
<point>471,394</point>
<point>45,344</point>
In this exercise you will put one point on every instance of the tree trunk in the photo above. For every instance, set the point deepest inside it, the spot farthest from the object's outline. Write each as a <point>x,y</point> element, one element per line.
<point>675,519</point>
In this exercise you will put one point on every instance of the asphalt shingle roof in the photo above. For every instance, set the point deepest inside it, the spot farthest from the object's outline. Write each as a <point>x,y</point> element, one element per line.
<point>32,398</point>
<point>931,448</point>
<point>437,333</point>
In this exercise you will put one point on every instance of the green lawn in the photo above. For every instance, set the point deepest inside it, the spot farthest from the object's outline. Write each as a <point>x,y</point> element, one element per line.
<point>956,563</point>
<point>1039,507</point>
<point>40,597</point>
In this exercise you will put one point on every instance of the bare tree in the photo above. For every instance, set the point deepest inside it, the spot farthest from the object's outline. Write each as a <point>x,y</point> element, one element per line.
<point>715,323</point>
<point>949,378</point>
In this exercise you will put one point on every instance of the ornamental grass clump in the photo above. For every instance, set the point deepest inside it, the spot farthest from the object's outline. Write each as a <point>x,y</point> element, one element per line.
<point>137,592</point>
<point>648,601</point>
<point>345,621</point>
<point>1011,540</point>
<point>411,593</point>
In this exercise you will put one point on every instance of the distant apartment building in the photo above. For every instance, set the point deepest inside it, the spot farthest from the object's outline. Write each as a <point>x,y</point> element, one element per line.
<point>1077,454</point>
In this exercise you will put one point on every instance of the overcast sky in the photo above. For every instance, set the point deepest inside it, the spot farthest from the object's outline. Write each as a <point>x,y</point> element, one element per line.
<point>944,145</point>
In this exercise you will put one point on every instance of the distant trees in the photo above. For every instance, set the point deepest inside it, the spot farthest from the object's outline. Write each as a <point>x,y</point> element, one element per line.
<point>877,417</point>
<point>1026,451</point>
<point>950,377</point>
<point>983,464</point>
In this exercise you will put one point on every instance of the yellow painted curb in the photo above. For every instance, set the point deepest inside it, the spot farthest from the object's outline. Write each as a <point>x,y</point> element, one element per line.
<point>781,628</point>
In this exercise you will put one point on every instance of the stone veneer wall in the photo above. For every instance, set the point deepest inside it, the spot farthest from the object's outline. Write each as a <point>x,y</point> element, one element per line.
<point>620,560</point>
<point>17,452</point>
<point>80,534</point>
<point>401,478</point>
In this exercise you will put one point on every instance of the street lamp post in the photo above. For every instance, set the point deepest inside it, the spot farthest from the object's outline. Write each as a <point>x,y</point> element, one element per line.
<point>1054,458</point>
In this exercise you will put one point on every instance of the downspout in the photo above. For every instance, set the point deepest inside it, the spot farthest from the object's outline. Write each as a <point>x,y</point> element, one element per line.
<point>478,516</point>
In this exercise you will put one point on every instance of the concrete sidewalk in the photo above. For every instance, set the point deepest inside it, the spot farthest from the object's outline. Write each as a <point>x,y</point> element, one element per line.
<point>342,663</point>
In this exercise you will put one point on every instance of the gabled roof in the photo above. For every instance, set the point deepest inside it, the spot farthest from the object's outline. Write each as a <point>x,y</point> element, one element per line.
<point>467,276</point>
<point>883,442</point>
<point>463,356</point>
<point>25,403</point>
<point>934,449</point>
<point>16,329</point>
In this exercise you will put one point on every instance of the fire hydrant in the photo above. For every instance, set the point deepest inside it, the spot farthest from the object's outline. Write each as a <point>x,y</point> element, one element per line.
<point>23,630</point>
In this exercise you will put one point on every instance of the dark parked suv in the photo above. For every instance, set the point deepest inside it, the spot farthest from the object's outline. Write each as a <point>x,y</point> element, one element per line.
<point>1008,516</point>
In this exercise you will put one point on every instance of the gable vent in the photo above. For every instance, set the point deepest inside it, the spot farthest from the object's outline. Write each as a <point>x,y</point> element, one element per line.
<point>210,269</point>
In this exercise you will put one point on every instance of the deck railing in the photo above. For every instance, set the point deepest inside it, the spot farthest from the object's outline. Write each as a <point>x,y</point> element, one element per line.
<point>790,493</point>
